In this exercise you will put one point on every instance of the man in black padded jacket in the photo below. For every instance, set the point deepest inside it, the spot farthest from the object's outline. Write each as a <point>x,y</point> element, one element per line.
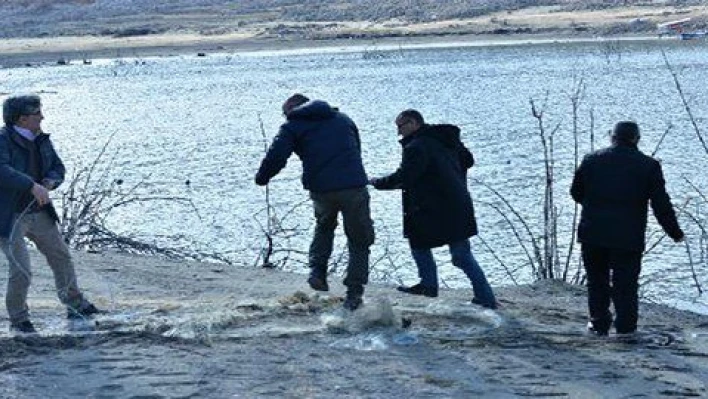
<point>437,206</point>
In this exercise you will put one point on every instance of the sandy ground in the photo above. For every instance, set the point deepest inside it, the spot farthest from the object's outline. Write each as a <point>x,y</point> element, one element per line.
<point>184,329</point>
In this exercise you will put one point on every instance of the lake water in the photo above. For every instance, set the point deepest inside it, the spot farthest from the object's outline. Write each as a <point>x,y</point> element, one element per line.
<point>198,119</point>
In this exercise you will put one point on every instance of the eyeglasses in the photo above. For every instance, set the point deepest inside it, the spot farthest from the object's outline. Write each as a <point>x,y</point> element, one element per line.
<point>37,112</point>
<point>404,123</point>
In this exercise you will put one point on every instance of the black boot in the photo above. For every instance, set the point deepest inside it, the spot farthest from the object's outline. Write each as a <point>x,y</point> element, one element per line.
<point>420,289</point>
<point>23,327</point>
<point>85,310</point>
<point>318,280</point>
<point>353,299</point>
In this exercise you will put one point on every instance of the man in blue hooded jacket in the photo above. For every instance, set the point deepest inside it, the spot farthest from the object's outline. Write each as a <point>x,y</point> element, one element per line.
<point>29,169</point>
<point>327,142</point>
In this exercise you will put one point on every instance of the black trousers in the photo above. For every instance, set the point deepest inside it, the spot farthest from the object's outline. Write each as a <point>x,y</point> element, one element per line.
<point>613,276</point>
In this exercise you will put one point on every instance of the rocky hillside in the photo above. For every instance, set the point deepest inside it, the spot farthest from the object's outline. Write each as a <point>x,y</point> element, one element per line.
<point>39,18</point>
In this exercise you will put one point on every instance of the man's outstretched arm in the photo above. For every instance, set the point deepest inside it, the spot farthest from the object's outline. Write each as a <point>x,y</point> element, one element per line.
<point>276,157</point>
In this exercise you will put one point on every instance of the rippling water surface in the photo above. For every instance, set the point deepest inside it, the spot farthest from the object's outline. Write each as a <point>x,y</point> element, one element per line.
<point>198,119</point>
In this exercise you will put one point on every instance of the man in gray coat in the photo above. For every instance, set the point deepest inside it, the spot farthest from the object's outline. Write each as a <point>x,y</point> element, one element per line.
<point>29,169</point>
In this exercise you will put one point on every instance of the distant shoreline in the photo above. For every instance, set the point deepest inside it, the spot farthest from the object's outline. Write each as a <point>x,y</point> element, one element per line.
<point>138,32</point>
<point>75,50</point>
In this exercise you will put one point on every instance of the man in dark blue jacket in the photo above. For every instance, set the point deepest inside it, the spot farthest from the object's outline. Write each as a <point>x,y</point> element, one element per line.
<point>614,186</point>
<point>328,144</point>
<point>437,206</point>
<point>29,169</point>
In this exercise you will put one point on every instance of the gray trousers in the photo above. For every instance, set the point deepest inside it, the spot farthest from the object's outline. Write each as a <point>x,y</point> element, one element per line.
<point>41,229</point>
<point>358,226</point>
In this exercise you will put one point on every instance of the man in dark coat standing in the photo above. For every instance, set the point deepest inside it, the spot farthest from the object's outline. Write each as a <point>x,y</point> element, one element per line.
<point>614,186</point>
<point>29,169</point>
<point>437,206</point>
<point>327,141</point>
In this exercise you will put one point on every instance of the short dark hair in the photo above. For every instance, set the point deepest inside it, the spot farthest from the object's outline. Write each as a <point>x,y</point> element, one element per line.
<point>412,114</point>
<point>18,105</point>
<point>293,101</point>
<point>626,132</point>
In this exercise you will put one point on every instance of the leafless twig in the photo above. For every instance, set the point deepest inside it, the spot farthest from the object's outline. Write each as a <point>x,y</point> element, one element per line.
<point>686,106</point>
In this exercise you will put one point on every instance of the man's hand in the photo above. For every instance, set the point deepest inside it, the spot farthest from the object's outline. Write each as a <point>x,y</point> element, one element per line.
<point>41,194</point>
<point>49,184</point>
<point>260,180</point>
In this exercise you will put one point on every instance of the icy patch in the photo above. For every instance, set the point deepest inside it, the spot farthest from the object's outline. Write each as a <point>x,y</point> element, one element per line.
<point>364,342</point>
<point>463,310</point>
<point>374,327</point>
<point>378,313</point>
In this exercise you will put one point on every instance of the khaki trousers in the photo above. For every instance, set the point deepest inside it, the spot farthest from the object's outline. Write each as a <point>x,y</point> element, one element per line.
<point>43,231</point>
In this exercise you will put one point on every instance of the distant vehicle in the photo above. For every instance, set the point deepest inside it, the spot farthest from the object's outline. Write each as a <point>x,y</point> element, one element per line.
<point>678,28</point>
<point>693,35</point>
<point>672,27</point>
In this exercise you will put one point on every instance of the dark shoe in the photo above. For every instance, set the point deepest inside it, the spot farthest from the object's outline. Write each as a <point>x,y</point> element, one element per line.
<point>23,327</point>
<point>86,310</point>
<point>419,289</point>
<point>318,283</point>
<point>476,301</point>
<point>628,337</point>
<point>592,330</point>
<point>352,302</point>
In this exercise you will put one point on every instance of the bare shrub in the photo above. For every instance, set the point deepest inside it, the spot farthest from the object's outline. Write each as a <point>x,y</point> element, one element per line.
<point>93,194</point>
<point>696,218</point>
<point>543,250</point>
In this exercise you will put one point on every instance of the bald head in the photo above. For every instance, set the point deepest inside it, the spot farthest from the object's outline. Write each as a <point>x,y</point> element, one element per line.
<point>626,133</point>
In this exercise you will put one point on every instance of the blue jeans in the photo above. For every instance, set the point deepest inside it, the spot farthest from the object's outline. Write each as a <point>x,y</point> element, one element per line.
<point>462,258</point>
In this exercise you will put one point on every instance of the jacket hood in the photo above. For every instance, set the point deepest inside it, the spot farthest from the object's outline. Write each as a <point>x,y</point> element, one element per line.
<point>312,110</point>
<point>448,135</point>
